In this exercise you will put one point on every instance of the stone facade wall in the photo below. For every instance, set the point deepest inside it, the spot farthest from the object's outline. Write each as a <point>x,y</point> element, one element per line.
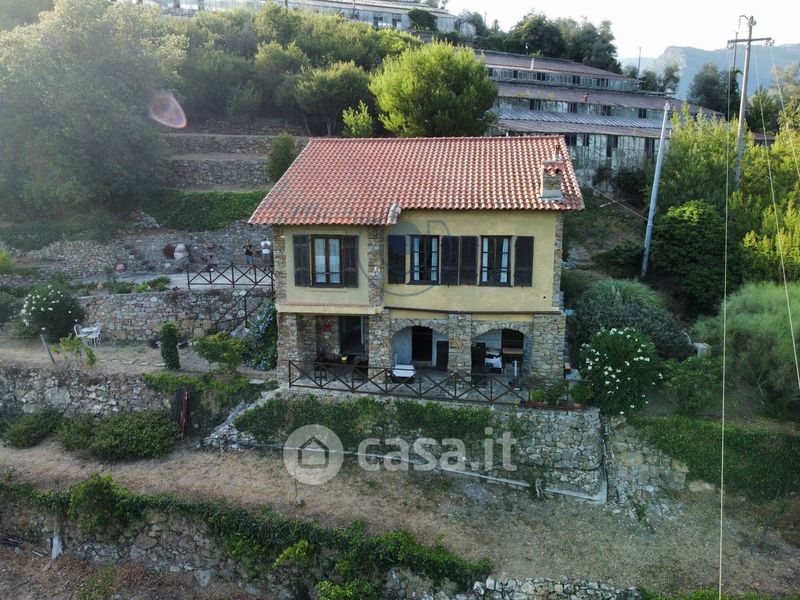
<point>636,468</point>
<point>558,246</point>
<point>543,344</point>
<point>73,391</point>
<point>279,259</point>
<point>375,265</point>
<point>549,332</point>
<point>138,317</point>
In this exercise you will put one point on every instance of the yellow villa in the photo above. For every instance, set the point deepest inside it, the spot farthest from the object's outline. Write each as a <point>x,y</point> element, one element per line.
<point>425,253</point>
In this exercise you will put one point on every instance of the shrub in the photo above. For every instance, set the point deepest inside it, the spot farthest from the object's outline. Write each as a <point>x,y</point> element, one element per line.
<point>115,286</point>
<point>8,306</point>
<point>33,428</point>
<point>695,383</point>
<point>32,235</point>
<point>358,123</point>
<point>612,303</point>
<point>76,433</point>
<point>574,283</point>
<point>221,348</point>
<point>760,351</point>
<point>52,310</point>
<point>689,244</point>
<point>244,102</point>
<point>622,291</point>
<point>6,263</point>
<point>633,183</point>
<point>200,211</point>
<point>352,590</point>
<point>623,260</point>
<point>263,340</point>
<point>146,434</point>
<point>169,345</point>
<point>75,346</point>
<point>758,463</point>
<point>281,156</point>
<point>621,366</point>
<point>158,284</point>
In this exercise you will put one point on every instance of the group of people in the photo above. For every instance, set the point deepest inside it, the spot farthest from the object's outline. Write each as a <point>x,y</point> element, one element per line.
<point>266,252</point>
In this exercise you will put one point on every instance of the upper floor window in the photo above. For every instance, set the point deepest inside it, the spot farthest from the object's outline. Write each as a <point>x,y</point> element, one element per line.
<point>536,104</point>
<point>326,260</point>
<point>495,260</point>
<point>576,80</point>
<point>642,113</point>
<point>424,259</point>
<point>571,139</point>
<point>572,107</point>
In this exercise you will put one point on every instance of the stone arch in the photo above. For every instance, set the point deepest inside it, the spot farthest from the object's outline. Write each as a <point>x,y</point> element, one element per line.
<point>480,328</point>
<point>405,347</point>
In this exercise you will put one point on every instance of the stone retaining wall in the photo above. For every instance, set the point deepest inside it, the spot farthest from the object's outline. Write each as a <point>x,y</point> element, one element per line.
<point>564,448</point>
<point>637,469</point>
<point>79,258</point>
<point>139,317</point>
<point>74,391</point>
<point>247,171</point>
<point>225,245</point>
<point>162,543</point>
<point>165,542</point>
<point>401,585</point>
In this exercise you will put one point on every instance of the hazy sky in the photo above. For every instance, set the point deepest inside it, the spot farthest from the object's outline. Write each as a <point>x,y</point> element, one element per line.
<point>699,23</point>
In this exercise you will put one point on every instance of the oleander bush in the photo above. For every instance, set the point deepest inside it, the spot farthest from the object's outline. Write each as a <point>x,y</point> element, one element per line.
<point>52,310</point>
<point>620,366</point>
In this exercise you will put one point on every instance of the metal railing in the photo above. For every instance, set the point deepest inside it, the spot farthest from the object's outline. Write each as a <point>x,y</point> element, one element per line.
<point>249,275</point>
<point>477,388</point>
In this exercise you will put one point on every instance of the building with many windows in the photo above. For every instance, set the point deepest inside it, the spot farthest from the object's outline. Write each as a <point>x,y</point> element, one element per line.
<point>604,117</point>
<point>379,13</point>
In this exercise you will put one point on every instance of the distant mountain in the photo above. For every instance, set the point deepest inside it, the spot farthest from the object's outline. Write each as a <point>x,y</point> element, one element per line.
<point>691,60</point>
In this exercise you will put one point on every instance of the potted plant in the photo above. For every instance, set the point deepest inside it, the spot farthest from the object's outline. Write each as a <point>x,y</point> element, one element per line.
<point>580,394</point>
<point>537,398</point>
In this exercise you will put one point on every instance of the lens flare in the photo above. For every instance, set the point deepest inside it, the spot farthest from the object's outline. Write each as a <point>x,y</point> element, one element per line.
<point>166,110</point>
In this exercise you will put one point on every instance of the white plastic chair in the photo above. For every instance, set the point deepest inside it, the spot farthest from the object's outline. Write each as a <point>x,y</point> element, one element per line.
<point>93,335</point>
<point>79,331</point>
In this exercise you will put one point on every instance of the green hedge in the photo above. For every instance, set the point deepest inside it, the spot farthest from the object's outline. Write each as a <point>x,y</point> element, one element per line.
<point>31,429</point>
<point>201,211</point>
<point>251,537</point>
<point>355,420</point>
<point>758,463</point>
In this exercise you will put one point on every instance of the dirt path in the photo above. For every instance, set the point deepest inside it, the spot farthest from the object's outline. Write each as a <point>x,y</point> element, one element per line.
<point>130,359</point>
<point>523,537</point>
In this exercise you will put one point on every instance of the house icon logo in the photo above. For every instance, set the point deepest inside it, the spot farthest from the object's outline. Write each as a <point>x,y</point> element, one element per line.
<point>313,454</point>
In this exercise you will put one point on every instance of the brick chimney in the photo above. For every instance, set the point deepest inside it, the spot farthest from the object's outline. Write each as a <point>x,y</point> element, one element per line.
<point>552,170</point>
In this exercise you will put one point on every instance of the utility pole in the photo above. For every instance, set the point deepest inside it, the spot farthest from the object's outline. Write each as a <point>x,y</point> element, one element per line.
<point>648,237</point>
<point>743,101</point>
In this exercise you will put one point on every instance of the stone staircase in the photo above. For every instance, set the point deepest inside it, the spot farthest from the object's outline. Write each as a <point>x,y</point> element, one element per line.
<point>216,161</point>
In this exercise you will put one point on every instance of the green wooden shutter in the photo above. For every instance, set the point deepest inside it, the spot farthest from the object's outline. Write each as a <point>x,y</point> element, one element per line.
<point>523,261</point>
<point>302,260</point>
<point>450,260</point>
<point>350,261</point>
<point>468,265</point>
<point>397,259</point>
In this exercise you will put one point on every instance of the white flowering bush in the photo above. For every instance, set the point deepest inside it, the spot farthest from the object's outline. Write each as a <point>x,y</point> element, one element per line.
<point>51,310</point>
<point>620,365</point>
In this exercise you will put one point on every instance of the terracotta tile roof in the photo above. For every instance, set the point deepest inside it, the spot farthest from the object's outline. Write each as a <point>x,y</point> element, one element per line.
<point>370,181</point>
